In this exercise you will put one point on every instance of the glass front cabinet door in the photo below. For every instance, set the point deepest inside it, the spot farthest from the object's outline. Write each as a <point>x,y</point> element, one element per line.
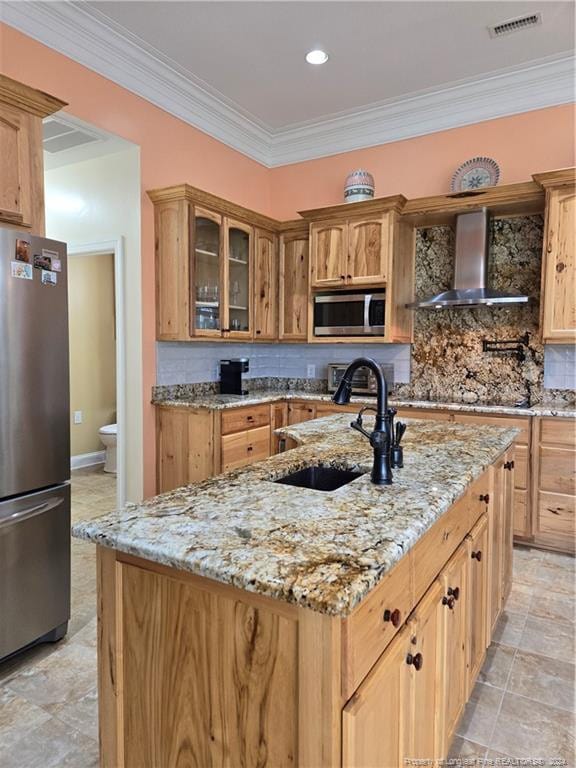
<point>238,279</point>
<point>221,276</point>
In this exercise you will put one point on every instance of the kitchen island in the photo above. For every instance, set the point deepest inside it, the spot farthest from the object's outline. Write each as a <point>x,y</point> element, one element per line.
<point>244,622</point>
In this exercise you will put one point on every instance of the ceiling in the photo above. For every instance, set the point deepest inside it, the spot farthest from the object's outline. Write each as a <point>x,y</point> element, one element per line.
<point>236,70</point>
<point>252,53</point>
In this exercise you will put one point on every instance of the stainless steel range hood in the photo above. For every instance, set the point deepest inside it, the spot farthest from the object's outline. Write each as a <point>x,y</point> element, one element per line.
<point>470,269</point>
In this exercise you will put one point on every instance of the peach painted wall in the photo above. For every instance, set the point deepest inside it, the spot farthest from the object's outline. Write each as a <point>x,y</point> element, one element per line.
<point>172,152</point>
<point>522,145</point>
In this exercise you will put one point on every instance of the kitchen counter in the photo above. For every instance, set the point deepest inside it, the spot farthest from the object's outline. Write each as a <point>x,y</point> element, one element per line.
<point>222,402</point>
<point>324,551</point>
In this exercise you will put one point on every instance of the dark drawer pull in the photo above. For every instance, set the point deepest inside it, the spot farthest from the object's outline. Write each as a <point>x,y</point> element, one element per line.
<point>416,661</point>
<point>454,592</point>
<point>393,616</point>
<point>477,555</point>
<point>509,465</point>
<point>485,497</point>
<point>449,601</point>
<point>249,448</point>
<point>250,418</point>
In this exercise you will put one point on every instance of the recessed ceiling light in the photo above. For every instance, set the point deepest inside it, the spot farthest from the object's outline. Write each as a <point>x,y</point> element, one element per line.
<point>317,57</point>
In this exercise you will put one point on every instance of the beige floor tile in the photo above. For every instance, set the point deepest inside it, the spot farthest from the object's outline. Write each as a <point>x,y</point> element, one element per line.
<point>520,598</point>
<point>81,714</point>
<point>546,605</point>
<point>548,638</point>
<point>529,729</point>
<point>496,668</point>
<point>17,715</point>
<point>549,681</point>
<point>509,628</point>
<point>479,718</point>
<point>51,744</point>
<point>465,750</point>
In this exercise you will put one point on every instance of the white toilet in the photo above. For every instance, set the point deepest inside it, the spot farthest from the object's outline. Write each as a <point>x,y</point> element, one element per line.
<point>108,437</point>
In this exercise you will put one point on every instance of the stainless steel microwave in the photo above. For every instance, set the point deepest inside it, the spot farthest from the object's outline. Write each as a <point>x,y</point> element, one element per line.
<point>349,314</point>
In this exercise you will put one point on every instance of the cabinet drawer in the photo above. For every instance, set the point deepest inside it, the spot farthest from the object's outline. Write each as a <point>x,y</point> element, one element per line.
<point>557,470</point>
<point>556,513</point>
<point>558,431</point>
<point>476,498</point>
<point>437,546</point>
<point>521,467</point>
<point>373,624</point>
<point>246,447</point>
<point>240,419</point>
<point>424,413</point>
<point>523,424</point>
<point>521,513</point>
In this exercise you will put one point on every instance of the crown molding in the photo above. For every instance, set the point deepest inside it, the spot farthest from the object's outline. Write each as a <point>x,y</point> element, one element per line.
<point>90,38</point>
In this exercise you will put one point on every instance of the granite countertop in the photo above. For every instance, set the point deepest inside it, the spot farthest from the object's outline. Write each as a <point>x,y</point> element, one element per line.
<point>324,551</point>
<point>221,402</point>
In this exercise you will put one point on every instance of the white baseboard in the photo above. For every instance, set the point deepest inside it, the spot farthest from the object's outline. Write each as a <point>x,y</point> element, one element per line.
<point>87,459</point>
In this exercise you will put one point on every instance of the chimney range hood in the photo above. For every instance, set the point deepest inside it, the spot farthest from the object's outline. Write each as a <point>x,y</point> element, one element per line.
<point>470,269</point>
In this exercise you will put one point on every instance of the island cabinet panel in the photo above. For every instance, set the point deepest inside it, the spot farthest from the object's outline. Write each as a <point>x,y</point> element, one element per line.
<point>265,286</point>
<point>187,445</point>
<point>500,533</point>
<point>478,638</point>
<point>455,605</point>
<point>293,286</point>
<point>207,679</point>
<point>376,721</point>
<point>554,483</point>
<point>426,669</point>
<point>373,624</point>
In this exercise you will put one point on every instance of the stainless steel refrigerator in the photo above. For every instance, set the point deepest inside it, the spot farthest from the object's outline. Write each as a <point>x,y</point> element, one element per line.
<point>34,442</point>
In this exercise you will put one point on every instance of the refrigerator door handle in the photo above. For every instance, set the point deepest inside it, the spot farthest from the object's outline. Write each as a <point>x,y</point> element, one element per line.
<point>25,514</point>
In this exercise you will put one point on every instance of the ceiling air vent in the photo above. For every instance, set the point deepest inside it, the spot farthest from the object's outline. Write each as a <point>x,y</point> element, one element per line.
<point>60,135</point>
<point>515,25</point>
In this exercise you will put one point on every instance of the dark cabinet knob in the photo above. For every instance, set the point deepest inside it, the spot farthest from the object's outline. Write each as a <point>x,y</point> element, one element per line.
<point>349,277</point>
<point>416,661</point>
<point>258,333</point>
<point>449,601</point>
<point>477,555</point>
<point>455,593</point>
<point>393,616</point>
<point>226,330</point>
<point>249,448</point>
<point>342,277</point>
<point>485,497</point>
<point>509,465</point>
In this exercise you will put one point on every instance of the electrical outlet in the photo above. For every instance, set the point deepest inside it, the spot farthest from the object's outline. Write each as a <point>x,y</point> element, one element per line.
<point>77,417</point>
<point>310,371</point>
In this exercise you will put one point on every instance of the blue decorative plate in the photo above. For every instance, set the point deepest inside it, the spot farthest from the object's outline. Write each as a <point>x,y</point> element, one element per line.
<point>476,173</point>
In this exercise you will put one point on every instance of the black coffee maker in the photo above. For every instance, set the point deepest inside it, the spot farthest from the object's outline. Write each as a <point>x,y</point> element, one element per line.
<point>231,376</point>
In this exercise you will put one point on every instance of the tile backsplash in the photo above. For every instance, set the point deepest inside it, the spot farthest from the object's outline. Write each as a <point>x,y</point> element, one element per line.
<point>560,366</point>
<point>183,362</point>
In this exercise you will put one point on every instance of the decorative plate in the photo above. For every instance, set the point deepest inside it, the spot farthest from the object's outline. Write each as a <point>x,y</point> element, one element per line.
<point>475,173</point>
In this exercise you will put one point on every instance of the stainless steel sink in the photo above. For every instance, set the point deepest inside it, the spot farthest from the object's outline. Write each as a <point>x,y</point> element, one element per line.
<point>320,478</point>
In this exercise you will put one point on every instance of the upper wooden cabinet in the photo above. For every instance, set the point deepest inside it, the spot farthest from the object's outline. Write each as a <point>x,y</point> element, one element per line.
<point>293,282</point>
<point>265,286</point>
<point>215,268</point>
<point>351,246</point>
<point>21,160</point>
<point>558,296</point>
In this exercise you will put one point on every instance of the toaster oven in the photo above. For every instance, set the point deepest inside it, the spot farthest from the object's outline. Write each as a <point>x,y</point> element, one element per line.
<point>363,381</point>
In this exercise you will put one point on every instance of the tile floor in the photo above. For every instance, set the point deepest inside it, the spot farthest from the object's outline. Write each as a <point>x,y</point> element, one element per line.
<point>522,706</point>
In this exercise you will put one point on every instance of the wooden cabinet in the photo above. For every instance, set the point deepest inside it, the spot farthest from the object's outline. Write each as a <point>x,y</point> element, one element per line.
<point>477,551</point>
<point>554,483</point>
<point>347,249</point>
<point>500,533</point>
<point>216,275</point>
<point>186,448</point>
<point>558,292</point>
<point>368,740</point>
<point>21,154</point>
<point>293,282</point>
<point>278,419</point>
<point>265,286</point>
<point>298,412</point>
<point>246,436</point>
<point>426,669</point>
<point>328,254</point>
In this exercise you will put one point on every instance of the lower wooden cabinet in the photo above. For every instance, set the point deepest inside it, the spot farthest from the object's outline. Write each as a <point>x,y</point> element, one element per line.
<point>477,552</point>
<point>246,447</point>
<point>187,450</point>
<point>298,412</point>
<point>554,483</point>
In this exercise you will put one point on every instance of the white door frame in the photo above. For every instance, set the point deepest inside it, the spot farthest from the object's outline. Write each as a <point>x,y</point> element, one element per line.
<point>116,247</point>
